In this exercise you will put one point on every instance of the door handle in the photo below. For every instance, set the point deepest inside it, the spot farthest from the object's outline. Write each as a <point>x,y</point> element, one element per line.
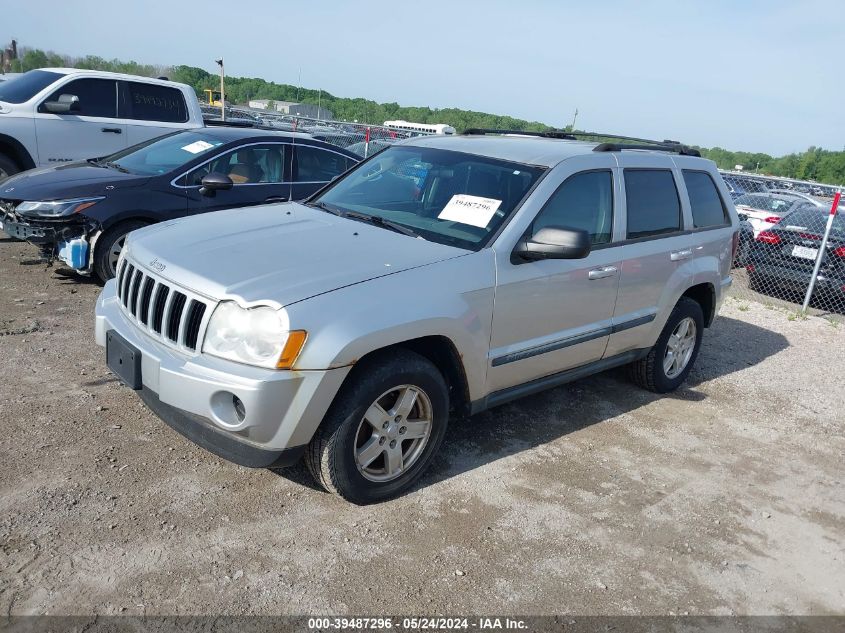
<point>276,199</point>
<point>680,255</point>
<point>113,130</point>
<point>601,273</point>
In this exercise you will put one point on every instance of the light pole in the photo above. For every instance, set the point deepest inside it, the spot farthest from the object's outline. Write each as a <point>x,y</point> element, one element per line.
<point>222,91</point>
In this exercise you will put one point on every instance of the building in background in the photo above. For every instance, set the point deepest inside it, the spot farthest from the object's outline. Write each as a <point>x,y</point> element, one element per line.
<point>289,107</point>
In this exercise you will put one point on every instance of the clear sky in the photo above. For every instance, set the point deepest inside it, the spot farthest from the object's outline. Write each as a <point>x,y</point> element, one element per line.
<point>741,74</point>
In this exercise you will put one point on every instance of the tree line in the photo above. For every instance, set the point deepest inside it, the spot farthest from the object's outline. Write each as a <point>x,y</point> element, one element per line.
<point>814,164</point>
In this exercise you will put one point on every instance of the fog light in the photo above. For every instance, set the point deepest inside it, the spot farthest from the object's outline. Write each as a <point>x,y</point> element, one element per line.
<point>240,409</point>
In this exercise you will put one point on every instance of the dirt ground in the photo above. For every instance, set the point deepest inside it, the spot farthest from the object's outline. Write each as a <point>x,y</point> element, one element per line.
<point>594,498</point>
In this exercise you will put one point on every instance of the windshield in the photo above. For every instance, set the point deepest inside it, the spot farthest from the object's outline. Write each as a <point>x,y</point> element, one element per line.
<point>164,154</point>
<point>447,197</point>
<point>23,88</point>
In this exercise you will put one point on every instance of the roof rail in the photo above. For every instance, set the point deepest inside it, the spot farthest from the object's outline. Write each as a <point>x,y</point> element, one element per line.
<point>633,142</point>
<point>629,142</point>
<point>479,131</point>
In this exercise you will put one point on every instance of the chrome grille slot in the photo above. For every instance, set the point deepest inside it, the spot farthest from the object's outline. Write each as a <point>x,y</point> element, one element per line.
<point>158,308</point>
<point>119,278</point>
<point>174,316</point>
<point>125,283</point>
<point>192,329</point>
<point>133,291</point>
<point>144,300</point>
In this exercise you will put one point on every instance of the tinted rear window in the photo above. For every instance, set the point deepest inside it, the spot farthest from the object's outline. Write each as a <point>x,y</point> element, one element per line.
<point>26,86</point>
<point>813,220</point>
<point>705,201</point>
<point>653,204</point>
<point>151,102</point>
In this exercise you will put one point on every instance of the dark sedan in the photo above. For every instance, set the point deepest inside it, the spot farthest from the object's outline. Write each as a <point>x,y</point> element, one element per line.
<point>784,255</point>
<point>80,213</point>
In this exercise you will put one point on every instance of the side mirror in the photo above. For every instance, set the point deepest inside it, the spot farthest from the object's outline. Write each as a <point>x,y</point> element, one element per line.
<point>555,242</point>
<point>65,104</point>
<point>214,182</point>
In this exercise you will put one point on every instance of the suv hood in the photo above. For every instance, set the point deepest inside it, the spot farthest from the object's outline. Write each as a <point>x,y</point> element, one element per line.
<point>276,254</point>
<point>73,180</point>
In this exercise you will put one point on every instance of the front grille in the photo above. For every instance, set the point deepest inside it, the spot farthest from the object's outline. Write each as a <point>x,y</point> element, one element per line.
<point>173,315</point>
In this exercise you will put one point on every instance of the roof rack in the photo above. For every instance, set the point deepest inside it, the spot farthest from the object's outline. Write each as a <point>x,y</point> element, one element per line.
<point>629,142</point>
<point>480,131</point>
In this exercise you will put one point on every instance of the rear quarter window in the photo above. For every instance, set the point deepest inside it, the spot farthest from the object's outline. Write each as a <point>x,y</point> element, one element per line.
<point>151,102</point>
<point>707,206</point>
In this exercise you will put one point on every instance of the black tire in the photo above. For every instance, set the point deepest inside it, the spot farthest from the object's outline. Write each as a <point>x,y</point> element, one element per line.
<point>8,167</point>
<point>330,456</point>
<point>107,242</point>
<point>648,372</point>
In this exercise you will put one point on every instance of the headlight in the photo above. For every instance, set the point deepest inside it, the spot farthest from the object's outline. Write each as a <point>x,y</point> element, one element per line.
<point>256,336</point>
<point>56,208</point>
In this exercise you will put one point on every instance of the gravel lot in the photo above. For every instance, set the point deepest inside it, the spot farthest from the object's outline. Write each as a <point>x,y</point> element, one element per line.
<point>594,498</point>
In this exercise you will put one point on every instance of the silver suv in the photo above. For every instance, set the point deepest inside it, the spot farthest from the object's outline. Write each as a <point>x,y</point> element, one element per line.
<point>444,275</point>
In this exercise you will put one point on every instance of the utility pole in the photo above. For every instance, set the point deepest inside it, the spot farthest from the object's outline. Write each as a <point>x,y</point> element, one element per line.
<point>574,117</point>
<point>319,101</point>
<point>222,90</point>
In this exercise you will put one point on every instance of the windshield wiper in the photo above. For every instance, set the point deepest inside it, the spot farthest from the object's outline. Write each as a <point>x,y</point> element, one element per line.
<point>382,222</point>
<point>326,207</point>
<point>118,168</point>
<point>365,217</point>
<point>96,163</point>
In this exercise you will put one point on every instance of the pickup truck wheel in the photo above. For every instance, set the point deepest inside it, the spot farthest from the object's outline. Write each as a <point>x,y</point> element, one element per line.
<point>382,430</point>
<point>670,360</point>
<point>8,167</point>
<point>109,246</point>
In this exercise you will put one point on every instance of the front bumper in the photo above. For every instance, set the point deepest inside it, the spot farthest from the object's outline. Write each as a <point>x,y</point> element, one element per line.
<point>193,393</point>
<point>67,241</point>
<point>23,230</point>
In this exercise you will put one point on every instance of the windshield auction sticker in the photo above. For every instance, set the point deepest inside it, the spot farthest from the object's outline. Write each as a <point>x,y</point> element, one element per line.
<point>472,210</point>
<point>197,146</point>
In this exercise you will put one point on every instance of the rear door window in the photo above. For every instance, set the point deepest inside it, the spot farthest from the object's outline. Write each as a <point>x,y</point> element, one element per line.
<point>151,102</point>
<point>706,203</point>
<point>97,97</point>
<point>654,207</point>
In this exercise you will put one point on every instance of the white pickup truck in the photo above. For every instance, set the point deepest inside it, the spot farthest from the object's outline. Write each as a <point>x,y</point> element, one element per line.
<point>59,115</point>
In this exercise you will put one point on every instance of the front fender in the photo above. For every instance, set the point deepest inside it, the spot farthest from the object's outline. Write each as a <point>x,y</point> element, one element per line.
<point>452,298</point>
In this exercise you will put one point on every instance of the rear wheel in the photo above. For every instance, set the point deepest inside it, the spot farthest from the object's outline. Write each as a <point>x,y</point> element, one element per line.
<point>8,167</point>
<point>383,428</point>
<point>110,245</point>
<point>669,362</point>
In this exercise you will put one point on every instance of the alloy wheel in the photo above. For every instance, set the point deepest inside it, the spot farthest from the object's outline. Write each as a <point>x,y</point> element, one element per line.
<point>393,433</point>
<point>679,348</point>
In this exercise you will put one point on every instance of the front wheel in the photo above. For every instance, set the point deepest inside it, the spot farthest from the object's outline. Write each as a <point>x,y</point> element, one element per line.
<point>669,362</point>
<point>383,428</point>
<point>110,245</point>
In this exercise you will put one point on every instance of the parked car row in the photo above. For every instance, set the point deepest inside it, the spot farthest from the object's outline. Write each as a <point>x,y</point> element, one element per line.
<point>780,259</point>
<point>740,185</point>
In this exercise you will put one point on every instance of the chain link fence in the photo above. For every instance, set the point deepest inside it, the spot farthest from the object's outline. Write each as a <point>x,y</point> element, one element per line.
<point>791,244</point>
<point>361,138</point>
